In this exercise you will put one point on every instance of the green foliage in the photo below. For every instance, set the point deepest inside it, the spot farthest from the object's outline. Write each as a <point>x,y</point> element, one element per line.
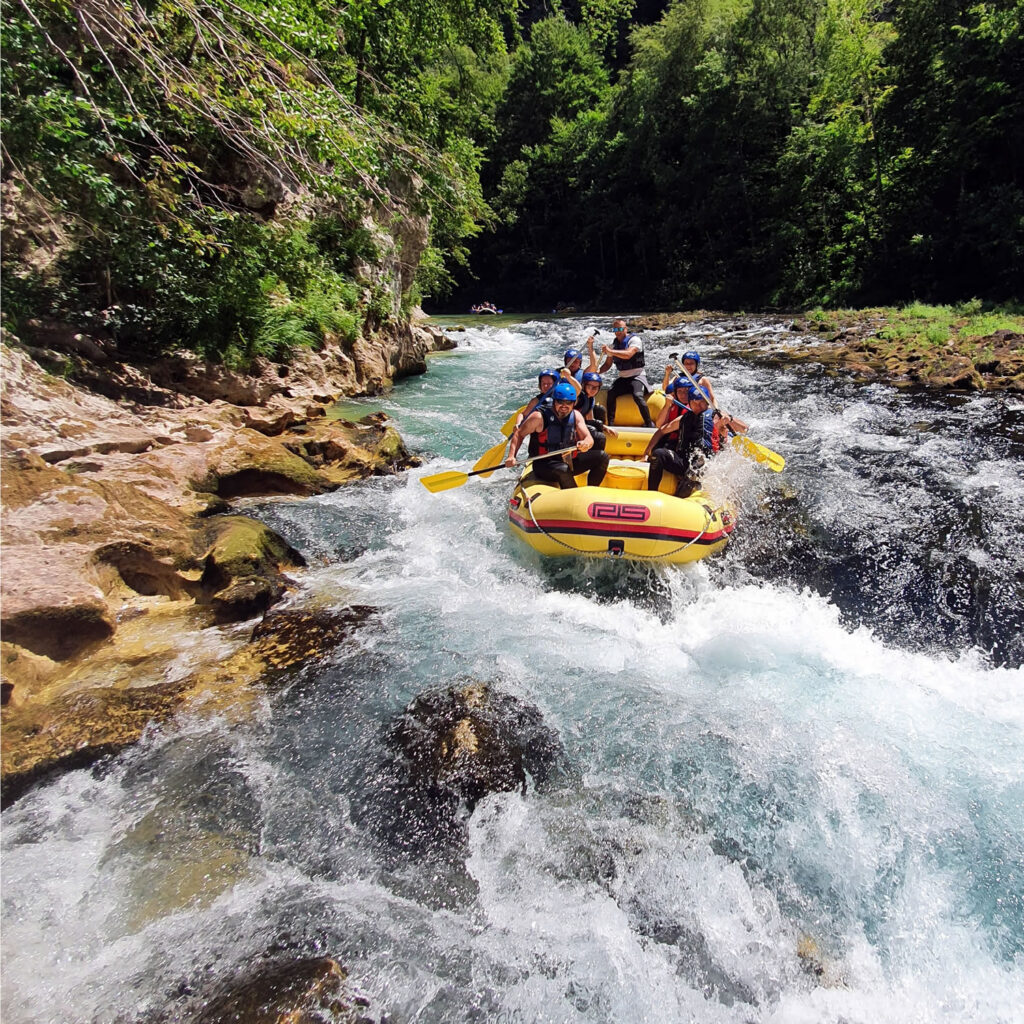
<point>769,151</point>
<point>983,325</point>
<point>743,152</point>
<point>164,138</point>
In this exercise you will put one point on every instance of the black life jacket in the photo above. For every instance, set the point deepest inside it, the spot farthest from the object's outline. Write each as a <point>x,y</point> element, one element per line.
<point>585,404</point>
<point>635,361</point>
<point>696,430</point>
<point>544,399</point>
<point>556,434</point>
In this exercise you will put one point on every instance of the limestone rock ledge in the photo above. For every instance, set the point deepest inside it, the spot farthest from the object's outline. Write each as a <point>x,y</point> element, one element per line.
<point>117,549</point>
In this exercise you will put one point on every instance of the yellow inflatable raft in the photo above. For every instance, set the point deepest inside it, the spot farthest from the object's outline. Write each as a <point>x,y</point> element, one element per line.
<point>621,518</point>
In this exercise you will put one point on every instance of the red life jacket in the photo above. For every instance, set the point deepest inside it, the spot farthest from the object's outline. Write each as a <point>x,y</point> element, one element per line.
<point>556,433</point>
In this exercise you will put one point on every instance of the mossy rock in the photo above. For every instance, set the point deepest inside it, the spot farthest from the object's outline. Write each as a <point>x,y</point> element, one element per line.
<point>391,448</point>
<point>258,466</point>
<point>242,570</point>
<point>240,546</point>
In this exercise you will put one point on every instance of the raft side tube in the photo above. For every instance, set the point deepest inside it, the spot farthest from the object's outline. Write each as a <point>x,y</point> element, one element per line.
<point>618,520</point>
<point>626,412</point>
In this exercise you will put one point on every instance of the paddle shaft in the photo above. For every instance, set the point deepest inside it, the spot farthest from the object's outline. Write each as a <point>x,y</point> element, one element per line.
<point>714,405</point>
<point>534,458</point>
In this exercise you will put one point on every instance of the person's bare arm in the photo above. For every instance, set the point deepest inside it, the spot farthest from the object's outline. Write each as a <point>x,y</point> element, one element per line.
<point>668,428</point>
<point>584,439</point>
<point>619,353</point>
<point>522,417</point>
<point>666,412</point>
<point>566,375</point>
<point>532,423</point>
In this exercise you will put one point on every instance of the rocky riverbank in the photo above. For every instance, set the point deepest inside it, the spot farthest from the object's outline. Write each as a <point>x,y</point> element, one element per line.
<point>119,547</point>
<point>922,346</point>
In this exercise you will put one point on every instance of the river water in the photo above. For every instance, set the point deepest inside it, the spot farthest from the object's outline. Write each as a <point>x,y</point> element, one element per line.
<point>797,786</point>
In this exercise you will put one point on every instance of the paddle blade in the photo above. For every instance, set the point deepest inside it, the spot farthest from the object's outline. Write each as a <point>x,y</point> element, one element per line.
<point>444,481</point>
<point>510,423</point>
<point>491,459</point>
<point>775,462</point>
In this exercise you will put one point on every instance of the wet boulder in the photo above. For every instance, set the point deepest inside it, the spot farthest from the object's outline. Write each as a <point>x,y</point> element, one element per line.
<point>471,739</point>
<point>294,636</point>
<point>449,749</point>
<point>242,567</point>
<point>305,991</point>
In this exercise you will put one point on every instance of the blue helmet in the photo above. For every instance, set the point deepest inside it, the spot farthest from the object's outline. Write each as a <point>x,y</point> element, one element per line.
<point>553,374</point>
<point>698,393</point>
<point>572,354</point>
<point>589,377</point>
<point>679,382</point>
<point>695,356</point>
<point>564,393</point>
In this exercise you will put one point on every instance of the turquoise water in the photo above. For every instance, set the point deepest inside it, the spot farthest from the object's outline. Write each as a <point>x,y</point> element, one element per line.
<point>793,797</point>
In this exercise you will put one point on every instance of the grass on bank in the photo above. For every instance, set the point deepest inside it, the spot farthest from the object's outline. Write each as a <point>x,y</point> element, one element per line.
<point>923,327</point>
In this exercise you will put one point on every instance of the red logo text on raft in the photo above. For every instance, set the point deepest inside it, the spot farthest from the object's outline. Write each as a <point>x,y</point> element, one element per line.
<point>614,510</point>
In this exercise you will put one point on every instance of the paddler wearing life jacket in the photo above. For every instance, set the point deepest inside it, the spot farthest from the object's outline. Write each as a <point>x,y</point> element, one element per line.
<point>552,428</point>
<point>546,381</point>
<point>725,425</point>
<point>574,362</point>
<point>691,361</point>
<point>696,439</point>
<point>626,353</point>
<point>593,414</point>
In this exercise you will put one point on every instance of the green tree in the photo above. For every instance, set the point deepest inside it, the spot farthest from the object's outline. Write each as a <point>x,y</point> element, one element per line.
<point>833,178</point>
<point>954,128</point>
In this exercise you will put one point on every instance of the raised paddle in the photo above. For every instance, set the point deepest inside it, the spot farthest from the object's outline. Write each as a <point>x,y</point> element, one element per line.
<point>510,424</point>
<point>491,459</point>
<point>775,462</point>
<point>453,478</point>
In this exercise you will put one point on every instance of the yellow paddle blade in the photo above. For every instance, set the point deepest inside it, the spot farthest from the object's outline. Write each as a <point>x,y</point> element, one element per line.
<point>510,423</point>
<point>491,459</point>
<point>775,462</point>
<point>444,481</point>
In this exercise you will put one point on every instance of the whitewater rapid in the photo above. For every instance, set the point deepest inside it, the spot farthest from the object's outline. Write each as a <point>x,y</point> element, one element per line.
<point>791,800</point>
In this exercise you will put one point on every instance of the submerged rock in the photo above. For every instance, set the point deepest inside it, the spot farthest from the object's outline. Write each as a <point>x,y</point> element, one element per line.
<point>60,716</point>
<point>472,740</point>
<point>305,991</point>
<point>452,747</point>
<point>288,638</point>
<point>77,729</point>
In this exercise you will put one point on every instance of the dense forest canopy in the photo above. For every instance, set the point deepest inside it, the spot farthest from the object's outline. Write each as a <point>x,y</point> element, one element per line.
<point>228,174</point>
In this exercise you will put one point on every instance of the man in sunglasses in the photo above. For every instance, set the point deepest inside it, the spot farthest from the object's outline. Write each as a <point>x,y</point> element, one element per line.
<point>626,353</point>
<point>555,428</point>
